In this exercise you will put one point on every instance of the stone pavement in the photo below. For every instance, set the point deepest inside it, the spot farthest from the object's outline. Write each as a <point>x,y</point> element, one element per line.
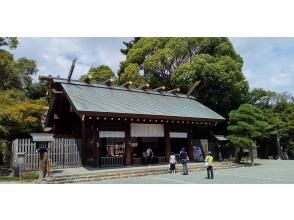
<point>265,172</point>
<point>84,174</point>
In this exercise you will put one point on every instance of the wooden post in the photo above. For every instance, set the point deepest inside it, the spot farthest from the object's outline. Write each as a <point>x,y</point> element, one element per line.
<point>83,141</point>
<point>128,147</point>
<point>189,144</point>
<point>96,145</point>
<point>41,165</point>
<point>167,143</point>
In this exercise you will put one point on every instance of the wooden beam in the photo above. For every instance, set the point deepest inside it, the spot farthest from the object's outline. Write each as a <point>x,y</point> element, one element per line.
<point>173,91</point>
<point>71,70</point>
<point>56,92</point>
<point>193,87</point>
<point>144,87</point>
<point>108,82</point>
<point>161,88</point>
<point>127,84</point>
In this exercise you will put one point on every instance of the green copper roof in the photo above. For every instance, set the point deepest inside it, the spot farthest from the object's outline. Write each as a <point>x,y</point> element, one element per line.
<point>118,100</point>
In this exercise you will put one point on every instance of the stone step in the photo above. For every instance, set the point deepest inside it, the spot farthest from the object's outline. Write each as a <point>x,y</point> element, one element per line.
<point>107,174</point>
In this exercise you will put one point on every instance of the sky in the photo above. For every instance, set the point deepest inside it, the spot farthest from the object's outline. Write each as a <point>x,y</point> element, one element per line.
<point>268,62</point>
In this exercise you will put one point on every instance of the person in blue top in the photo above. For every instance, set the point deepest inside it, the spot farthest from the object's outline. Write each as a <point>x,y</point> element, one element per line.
<point>184,160</point>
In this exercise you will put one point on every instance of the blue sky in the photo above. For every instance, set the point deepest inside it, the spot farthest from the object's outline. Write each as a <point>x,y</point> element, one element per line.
<point>268,62</point>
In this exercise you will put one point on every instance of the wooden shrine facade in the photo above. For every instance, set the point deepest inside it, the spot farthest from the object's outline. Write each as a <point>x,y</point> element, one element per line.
<point>120,123</point>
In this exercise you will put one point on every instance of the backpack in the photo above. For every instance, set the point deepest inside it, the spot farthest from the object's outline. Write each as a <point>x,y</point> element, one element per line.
<point>183,155</point>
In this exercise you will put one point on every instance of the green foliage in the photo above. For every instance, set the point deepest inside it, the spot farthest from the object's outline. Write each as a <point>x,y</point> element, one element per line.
<point>131,73</point>
<point>179,62</point>
<point>99,74</point>
<point>18,114</point>
<point>4,152</point>
<point>9,73</point>
<point>26,68</point>
<point>246,125</point>
<point>278,108</point>
<point>11,42</point>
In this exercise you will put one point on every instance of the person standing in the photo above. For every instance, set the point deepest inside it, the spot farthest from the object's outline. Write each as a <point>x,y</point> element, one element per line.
<point>172,163</point>
<point>149,154</point>
<point>184,160</point>
<point>209,160</point>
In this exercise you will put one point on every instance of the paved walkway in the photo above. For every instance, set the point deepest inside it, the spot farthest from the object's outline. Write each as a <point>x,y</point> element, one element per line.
<point>268,171</point>
<point>90,170</point>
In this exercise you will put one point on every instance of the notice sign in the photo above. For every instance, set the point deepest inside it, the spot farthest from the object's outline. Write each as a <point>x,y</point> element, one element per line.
<point>204,144</point>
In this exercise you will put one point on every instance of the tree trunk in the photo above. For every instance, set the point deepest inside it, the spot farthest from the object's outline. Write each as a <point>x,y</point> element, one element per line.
<point>251,156</point>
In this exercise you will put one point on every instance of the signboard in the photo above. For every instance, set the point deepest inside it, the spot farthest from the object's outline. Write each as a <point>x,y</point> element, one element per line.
<point>198,153</point>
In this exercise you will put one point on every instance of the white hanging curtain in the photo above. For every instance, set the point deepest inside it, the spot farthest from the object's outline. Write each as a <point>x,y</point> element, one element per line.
<point>178,134</point>
<point>111,134</point>
<point>147,130</point>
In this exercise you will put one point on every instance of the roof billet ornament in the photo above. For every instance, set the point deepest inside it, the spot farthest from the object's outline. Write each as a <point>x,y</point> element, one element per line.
<point>108,82</point>
<point>145,86</point>
<point>127,84</point>
<point>173,91</point>
<point>88,79</point>
<point>159,89</point>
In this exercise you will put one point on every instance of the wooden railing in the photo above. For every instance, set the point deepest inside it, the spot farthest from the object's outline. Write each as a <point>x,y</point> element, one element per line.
<point>137,161</point>
<point>177,157</point>
<point>161,160</point>
<point>112,161</point>
<point>63,153</point>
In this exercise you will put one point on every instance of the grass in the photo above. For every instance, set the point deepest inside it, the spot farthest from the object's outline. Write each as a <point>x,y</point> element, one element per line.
<point>26,177</point>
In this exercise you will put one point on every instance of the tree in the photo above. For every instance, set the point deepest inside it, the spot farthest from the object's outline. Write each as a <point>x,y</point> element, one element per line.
<point>247,124</point>
<point>179,62</point>
<point>278,108</point>
<point>125,51</point>
<point>131,73</point>
<point>11,42</point>
<point>9,72</point>
<point>99,74</point>
<point>19,115</point>
<point>26,68</point>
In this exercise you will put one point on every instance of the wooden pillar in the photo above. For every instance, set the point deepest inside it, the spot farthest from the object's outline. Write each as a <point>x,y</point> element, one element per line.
<point>96,146</point>
<point>83,155</point>
<point>128,148</point>
<point>189,144</point>
<point>167,143</point>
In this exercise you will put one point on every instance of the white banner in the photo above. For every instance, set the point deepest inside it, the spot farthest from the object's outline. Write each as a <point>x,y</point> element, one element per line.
<point>147,130</point>
<point>111,134</point>
<point>178,134</point>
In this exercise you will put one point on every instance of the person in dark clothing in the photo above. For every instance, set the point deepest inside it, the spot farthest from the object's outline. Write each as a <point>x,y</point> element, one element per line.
<point>184,160</point>
<point>149,155</point>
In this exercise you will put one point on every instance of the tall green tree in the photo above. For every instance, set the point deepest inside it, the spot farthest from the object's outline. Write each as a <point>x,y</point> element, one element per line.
<point>278,108</point>
<point>10,42</point>
<point>99,74</point>
<point>179,62</point>
<point>9,72</point>
<point>247,124</point>
<point>27,68</point>
<point>131,73</point>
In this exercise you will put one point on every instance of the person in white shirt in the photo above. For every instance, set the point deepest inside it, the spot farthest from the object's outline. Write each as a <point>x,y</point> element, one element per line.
<point>172,163</point>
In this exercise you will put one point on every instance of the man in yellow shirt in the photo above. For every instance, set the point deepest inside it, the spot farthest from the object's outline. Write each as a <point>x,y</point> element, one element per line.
<point>209,160</point>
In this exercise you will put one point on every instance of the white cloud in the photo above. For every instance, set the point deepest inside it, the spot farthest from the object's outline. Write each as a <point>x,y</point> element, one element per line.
<point>268,62</point>
<point>54,55</point>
